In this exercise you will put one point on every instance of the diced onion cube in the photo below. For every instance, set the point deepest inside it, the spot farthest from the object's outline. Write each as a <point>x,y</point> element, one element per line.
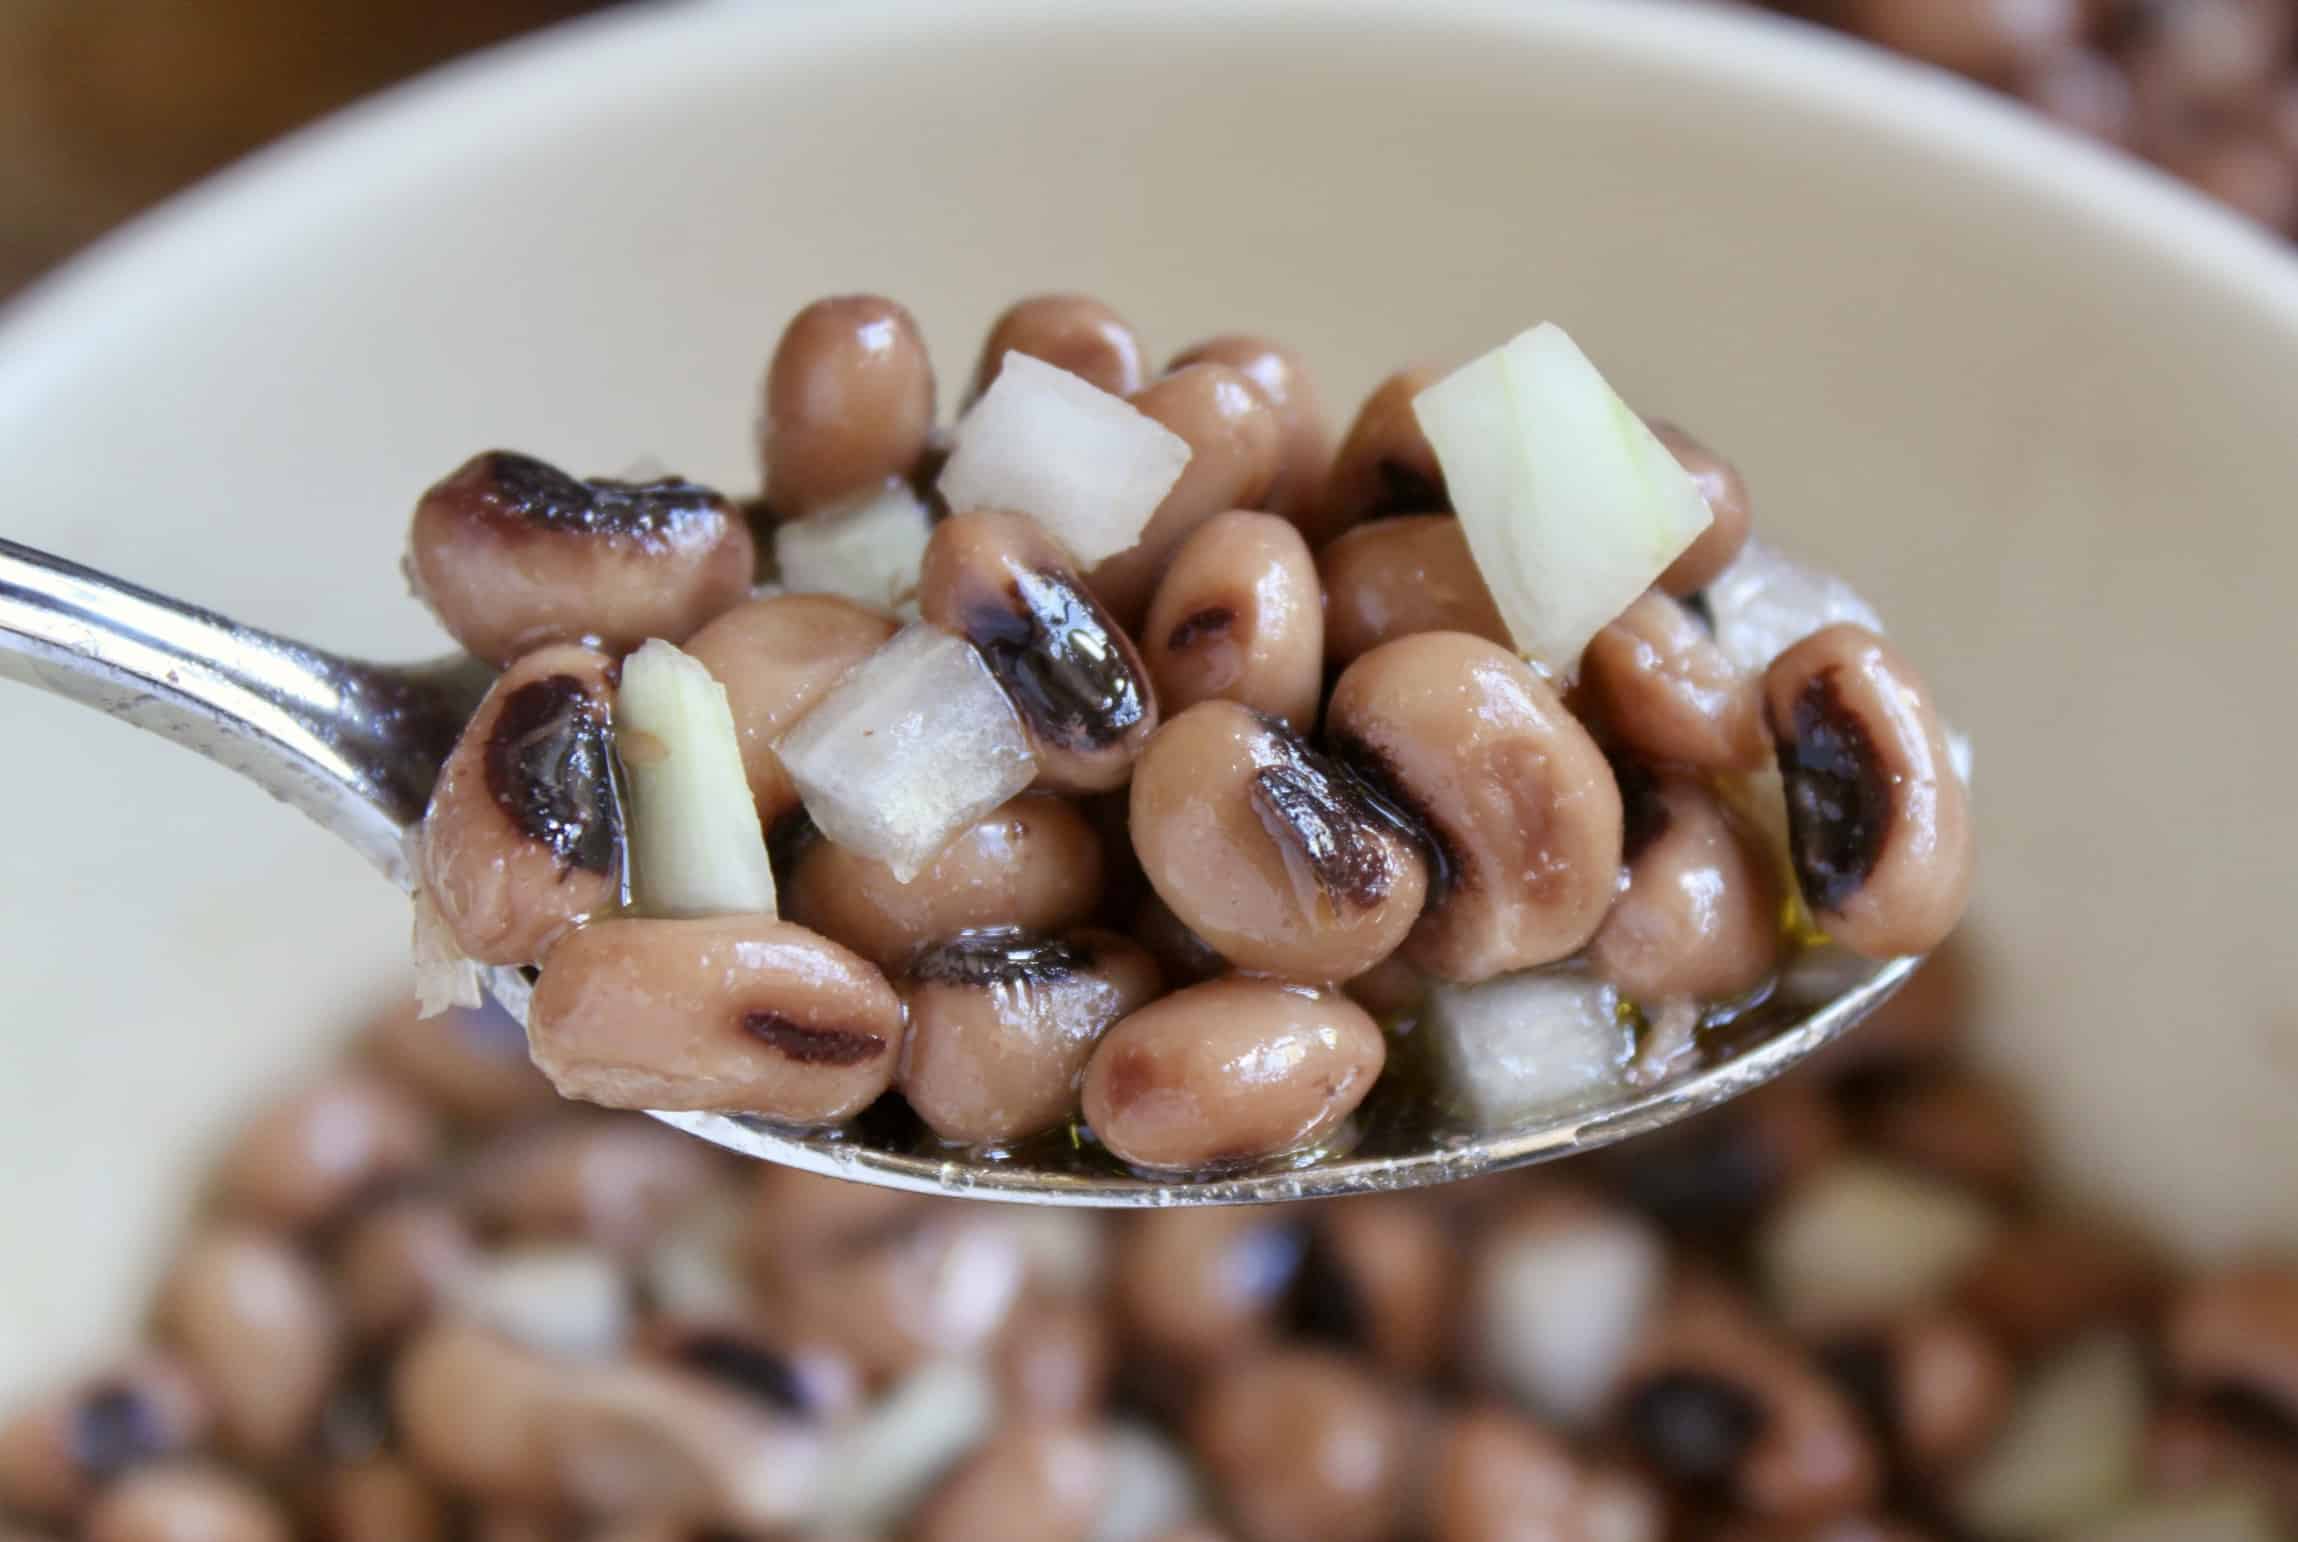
<point>1864,1240</point>
<point>1525,1046</point>
<point>1765,603</point>
<point>1571,505</point>
<point>876,1468</point>
<point>1150,1489</point>
<point>445,976</point>
<point>915,743</point>
<point>868,550</point>
<point>696,848</point>
<point>1086,465</point>
<point>2068,1453</point>
<point>2229,1514</point>
<point>1557,1309</point>
<point>568,1301</point>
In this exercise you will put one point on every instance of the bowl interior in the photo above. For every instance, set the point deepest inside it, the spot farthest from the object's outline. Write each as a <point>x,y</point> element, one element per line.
<point>2036,404</point>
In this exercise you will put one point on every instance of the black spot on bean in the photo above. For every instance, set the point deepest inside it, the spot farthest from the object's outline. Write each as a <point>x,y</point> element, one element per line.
<point>2251,1410</point>
<point>1213,621</point>
<point>657,513</point>
<point>1644,817</point>
<point>1383,791</point>
<point>1408,489</point>
<point>551,768</point>
<point>1701,610</point>
<point>809,1045</point>
<point>1863,1369</point>
<point>787,843</point>
<point>1065,663</point>
<point>751,1369</point>
<point>926,476</point>
<point>1706,1180</point>
<point>1000,955</point>
<point>1325,1304</point>
<point>114,1428</point>
<point>1838,798</point>
<point>1694,1427</point>
<point>1321,815</point>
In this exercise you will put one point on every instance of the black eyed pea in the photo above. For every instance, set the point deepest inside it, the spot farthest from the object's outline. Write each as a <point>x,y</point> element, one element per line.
<point>1878,822</point>
<point>523,840</point>
<point>1001,1024</point>
<point>1085,697</point>
<point>1056,1357</point>
<point>1518,800</point>
<point>1699,915</point>
<point>613,1181</point>
<point>739,1014</point>
<point>186,1502</point>
<point>1389,578</point>
<point>398,1260</point>
<point>381,1499</point>
<point>1230,1072</point>
<point>1306,1446</point>
<point>1068,331</point>
<point>256,1325</point>
<point>1032,1481</point>
<point>468,1063</point>
<point>1385,464</point>
<point>1660,687</point>
<point>304,1158</point>
<point>1197,1286</point>
<point>57,1452</point>
<point>513,554</point>
<point>471,1413</point>
<point>1729,517</point>
<point>1284,379</point>
<point>1239,617</point>
<point>928,1282</point>
<point>1236,449</point>
<point>849,403</point>
<point>1931,1382</point>
<point>1034,863</point>
<point>633,1440</point>
<point>1270,852</point>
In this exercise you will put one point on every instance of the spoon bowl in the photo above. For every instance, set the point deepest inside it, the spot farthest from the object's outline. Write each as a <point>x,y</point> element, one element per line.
<point>356,746</point>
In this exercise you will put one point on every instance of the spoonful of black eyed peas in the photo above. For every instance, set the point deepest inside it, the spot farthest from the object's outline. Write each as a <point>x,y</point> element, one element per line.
<point>1123,797</point>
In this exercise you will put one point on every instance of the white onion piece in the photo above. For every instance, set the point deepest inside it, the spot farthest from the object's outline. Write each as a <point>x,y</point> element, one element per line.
<point>2068,1453</point>
<point>875,1469</point>
<point>694,1269</point>
<point>1766,602</point>
<point>1571,504</point>
<point>1526,1045</point>
<point>1865,1240</point>
<point>1151,1488</point>
<point>2214,1515</point>
<point>915,743</point>
<point>1062,1250</point>
<point>562,1300</point>
<point>445,976</point>
<point>868,550</point>
<point>1086,465</point>
<point>1558,1306</point>
<point>696,848</point>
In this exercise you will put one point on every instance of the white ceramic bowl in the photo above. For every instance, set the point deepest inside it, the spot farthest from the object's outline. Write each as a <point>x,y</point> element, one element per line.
<point>2041,405</point>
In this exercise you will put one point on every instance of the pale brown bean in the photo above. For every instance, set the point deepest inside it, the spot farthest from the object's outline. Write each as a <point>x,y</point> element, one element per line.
<point>1034,1481</point>
<point>1283,377</point>
<point>2192,1445</point>
<point>1497,1477</point>
<point>2238,1328</point>
<point>398,1261</point>
<point>1055,1358</point>
<point>1519,801</point>
<point>1713,1175</point>
<point>1034,863</point>
<point>1878,820</point>
<point>1231,1071</point>
<point>257,1327</point>
<point>470,1064</point>
<point>1235,450</point>
<point>1068,331</point>
<point>632,1440</point>
<point>848,403</point>
<point>798,1216</point>
<point>1001,1024</point>
<point>2045,1283</point>
<point>1699,915</point>
<point>188,1502</point>
<point>1935,1385</point>
<point>381,1499</point>
<point>1385,464</point>
<point>1658,684</point>
<point>472,1413</point>
<point>740,1014</point>
<point>930,1282</point>
<point>512,554</point>
<point>1729,514</point>
<point>1305,1446</point>
<point>58,1451</point>
<point>1379,1276</point>
<point>1389,578</point>
<point>777,655</point>
<point>1071,672</point>
<point>1958,1125</point>
<point>1275,856</point>
<point>611,1181</point>
<point>1985,39</point>
<point>301,1160</point>
<point>523,839</point>
<point>1239,617</point>
<point>1197,1286</point>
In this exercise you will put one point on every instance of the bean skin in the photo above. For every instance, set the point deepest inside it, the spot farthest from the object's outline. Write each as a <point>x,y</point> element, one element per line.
<point>1038,1481</point>
<point>777,655</point>
<point>609,1181</point>
<point>523,839</point>
<point>188,1502</point>
<point>849,403</point>
<point>1231,1071</point>
<point>1305,1446</point>
<point>1001,1024</point>
<point>1055,1358</point>
<point>1284,379</point>
<point>300,1161</point>
<point>1072,673</point>
<point>472,1413</point>
<point>741,1014</point>
<point>1878,821</point>
<point>57,1452</point>
<point>255,1323</point>
<point>1385,464</point>
<point>932,1282</point>
<point>1932,1382</point>
<point>1033,863</point>
<point>397,1261</point>
<point>1498,1477</point>
<point>1519,800</point>
<point>1236,447</point>
<point>379,1500</point>
<point>2239,1328</point>
<point>1068,331</point>
<point>1239,617</point>
<point>1268,851</point>
<point>1660,686</point>
<point>1389,578</point>
<point>1699,915</point>
<point>1198,1286</point>
<point>2046,1283</point>
<point>468,1063</point>
<point>513,554</point>
<point>1728,512</point>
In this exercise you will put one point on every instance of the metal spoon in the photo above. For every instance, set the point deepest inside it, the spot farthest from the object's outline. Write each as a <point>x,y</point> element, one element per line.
<point>356,746</point>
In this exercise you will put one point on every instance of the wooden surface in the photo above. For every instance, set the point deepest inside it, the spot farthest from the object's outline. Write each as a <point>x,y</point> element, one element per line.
<point>109,105</point>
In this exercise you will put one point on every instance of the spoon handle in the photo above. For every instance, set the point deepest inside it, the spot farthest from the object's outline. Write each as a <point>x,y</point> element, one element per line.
<point>355,746</point>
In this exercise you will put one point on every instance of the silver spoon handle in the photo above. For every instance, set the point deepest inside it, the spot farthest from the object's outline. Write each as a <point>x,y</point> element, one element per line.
<point>355,746</point>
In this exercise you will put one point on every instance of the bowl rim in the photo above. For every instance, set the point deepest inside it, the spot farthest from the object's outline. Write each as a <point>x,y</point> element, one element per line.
<point>523,88</point>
